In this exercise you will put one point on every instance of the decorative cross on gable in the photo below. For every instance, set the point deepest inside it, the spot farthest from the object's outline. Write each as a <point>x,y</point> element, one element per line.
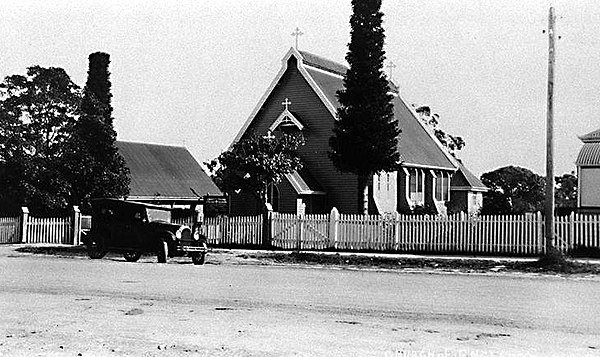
<point>391,67</point>
<point>286,118</point>
<point>269,135</point>
<point>297,33</point>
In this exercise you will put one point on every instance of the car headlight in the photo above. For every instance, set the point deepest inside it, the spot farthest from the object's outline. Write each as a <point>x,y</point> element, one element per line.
<point>184,232</point>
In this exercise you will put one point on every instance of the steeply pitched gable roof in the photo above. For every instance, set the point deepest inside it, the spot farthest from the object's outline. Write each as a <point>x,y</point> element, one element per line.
<point>418,147</point>
<point>465,180</point>
<point>163,171</point>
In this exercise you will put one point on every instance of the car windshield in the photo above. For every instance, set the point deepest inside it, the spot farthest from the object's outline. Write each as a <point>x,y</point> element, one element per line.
<point>158,215</point>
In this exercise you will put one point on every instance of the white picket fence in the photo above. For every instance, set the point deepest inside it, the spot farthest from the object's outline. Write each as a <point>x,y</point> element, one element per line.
<point>49,230</point>
<point>10,230</point>
<point>500,235</point>
<point>233,230</point>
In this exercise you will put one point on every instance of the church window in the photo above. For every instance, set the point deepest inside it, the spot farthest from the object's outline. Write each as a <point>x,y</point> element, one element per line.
<point>415,183</point>
<point>387,174</point>
<point>442,186</point>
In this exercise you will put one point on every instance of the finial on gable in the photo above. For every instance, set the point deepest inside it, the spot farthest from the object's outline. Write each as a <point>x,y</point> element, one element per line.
<point>297,33</point>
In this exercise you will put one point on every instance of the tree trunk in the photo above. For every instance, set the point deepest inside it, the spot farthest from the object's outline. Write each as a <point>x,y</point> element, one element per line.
<point>266,224</point>
<point>363,193</point>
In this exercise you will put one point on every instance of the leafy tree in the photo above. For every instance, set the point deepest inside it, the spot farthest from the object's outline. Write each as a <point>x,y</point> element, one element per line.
<point>365,137</point>
<point>255,162</point>
<point>565,194</point>
<point>95,167</point>
<point>37,113</point>
<point>450,142</point>
<point>513,190</point>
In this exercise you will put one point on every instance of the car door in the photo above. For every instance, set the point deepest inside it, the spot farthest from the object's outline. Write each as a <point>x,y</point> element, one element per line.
<point>133,229</point>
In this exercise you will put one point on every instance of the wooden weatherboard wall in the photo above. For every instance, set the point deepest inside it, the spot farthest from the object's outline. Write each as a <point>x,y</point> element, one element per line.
<point>318,124</point>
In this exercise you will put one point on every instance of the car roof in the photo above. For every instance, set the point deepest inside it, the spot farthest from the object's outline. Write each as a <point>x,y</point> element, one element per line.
<point>127,203</point>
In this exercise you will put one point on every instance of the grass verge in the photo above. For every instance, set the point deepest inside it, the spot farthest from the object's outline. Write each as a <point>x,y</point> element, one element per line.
<point>543,266</point>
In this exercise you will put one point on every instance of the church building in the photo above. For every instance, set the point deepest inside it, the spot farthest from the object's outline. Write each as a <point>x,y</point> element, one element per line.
<point>302,99</point>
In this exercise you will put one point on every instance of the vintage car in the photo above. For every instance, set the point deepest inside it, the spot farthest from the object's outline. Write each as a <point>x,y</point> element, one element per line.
<point>134,228</point>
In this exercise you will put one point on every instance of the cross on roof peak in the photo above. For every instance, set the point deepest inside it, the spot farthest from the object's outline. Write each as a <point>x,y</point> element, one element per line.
<point>391,67</point>
<point>297,33</point>
<point>286,102</point>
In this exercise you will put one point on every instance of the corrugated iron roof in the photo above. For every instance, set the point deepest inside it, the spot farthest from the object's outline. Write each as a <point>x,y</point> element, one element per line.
<point>466,178</point>
<point>165,171</point>
<point>592,137</point>
<point>415,146</point>
<point>315,61</point>
<point>589,155</point>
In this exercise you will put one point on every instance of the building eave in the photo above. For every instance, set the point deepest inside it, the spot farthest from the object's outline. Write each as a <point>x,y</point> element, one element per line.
<point>420,166</point>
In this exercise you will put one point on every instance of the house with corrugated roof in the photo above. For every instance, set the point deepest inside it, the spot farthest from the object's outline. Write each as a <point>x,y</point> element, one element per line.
<point>588,173</point>
<point>302,99</point>
<point>166,175</point>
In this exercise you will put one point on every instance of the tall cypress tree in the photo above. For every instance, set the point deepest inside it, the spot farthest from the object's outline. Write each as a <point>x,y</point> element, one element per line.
<point>365,137</point>
<point>96,167</point>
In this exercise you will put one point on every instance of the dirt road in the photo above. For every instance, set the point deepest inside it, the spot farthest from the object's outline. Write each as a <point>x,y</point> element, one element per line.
<point>75,306</point>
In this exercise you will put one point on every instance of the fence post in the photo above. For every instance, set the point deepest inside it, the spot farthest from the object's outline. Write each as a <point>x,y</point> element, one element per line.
<point>24,221</point>
<point>267,226</point>
<point>199,213</point>
<point>396,230</point>
<point>299,232</point>
<point>570,244</point>
<point>540,233</point>
<point>76,226</point>
<point>334,217</point>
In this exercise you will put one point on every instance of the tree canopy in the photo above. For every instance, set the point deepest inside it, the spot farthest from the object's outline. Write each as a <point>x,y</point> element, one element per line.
<point>255,162</point>
<point>513,190</point>
<point>365,139</point>
<point>565,194</point>
<point>451,142</point>
<point>57,143</point>
<point>38,112</point>
<point>94,164</point>
<point>516,190</point>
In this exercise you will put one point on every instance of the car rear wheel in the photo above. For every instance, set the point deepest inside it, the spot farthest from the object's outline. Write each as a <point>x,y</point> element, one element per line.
<point>132,256</point>
<point>95,247</point>
<point>198,258</point>
<point>163,251</point>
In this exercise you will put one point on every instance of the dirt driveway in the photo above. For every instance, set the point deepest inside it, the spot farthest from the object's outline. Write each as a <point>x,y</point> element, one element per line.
<point>70,306</point>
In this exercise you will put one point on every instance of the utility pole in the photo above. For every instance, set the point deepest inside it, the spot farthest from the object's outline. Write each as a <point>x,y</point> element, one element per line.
<point>549,203</point>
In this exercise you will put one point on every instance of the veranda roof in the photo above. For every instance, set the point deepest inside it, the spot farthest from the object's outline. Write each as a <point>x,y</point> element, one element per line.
<point>589,155</point>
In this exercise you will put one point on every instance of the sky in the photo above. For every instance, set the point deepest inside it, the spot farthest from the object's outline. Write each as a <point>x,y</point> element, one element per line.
<point>189,73</point>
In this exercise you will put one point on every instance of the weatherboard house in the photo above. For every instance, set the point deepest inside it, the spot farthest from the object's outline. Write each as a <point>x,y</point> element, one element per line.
<point>302,99</point>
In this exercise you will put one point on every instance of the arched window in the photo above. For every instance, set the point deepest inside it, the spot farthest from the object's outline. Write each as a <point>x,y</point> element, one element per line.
<point>273,197</point>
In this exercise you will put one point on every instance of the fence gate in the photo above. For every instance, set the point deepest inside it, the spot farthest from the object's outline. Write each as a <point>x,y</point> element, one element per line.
<point>10,230</point>
<point>290,231</point>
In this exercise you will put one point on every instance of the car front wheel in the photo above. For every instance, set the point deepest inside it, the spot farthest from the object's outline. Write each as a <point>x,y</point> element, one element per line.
<point>95,247</point>
<point>132,256</point>
<point>198,258</point>
<point>163,251</point>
